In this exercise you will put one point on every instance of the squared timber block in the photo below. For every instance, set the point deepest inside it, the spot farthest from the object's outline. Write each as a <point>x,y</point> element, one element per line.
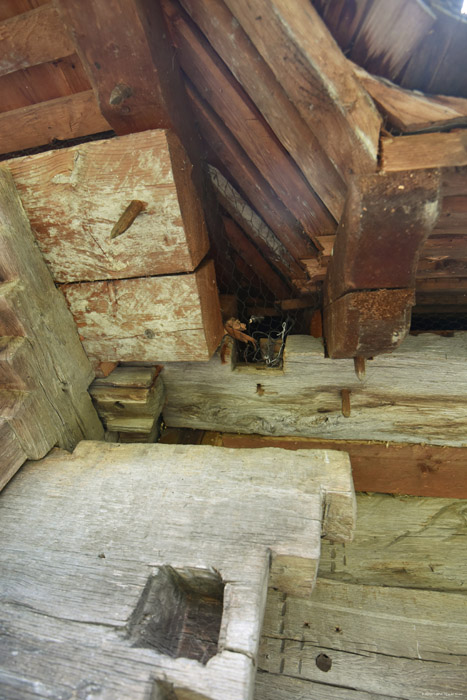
<point>385,221</point>
<point>75,196</point>
<point>151,319</point>
<point>156,582</point>
<point>360,322</point>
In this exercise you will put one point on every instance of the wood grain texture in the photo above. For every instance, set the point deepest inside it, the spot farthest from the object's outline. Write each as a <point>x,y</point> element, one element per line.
<point>242,513</point>
<point>403,643</point>
<point>34,37</point>
<point>62,118</point>
<point>236,50</point>
<point>298,48</point>
<point>216,84</point>
<point>412,111</point>
<point>382,467</point>
<point>75,196</point>
<point>45,373</point>
<point>228,157</point>
<point>420,151</point>
<point>413,395</point>
<point>402,542</point>
<point>153,319</point>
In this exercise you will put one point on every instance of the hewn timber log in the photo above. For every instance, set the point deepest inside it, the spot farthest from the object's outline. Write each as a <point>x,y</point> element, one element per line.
<point>420,151</point>
<point>411,395</point>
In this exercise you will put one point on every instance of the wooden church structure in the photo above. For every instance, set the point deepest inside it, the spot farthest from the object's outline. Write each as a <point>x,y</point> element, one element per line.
<point>233,349</point>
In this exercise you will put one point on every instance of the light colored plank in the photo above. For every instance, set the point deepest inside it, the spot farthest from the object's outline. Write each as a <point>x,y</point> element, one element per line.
<point>307,63</point>
<point>273,686</point>
<point>412,395</point>
<point>87,588</point>
<point>74,197</point>
<point>33,37</point>
<point>420,151</point>
<point>63,118</point>
<point>400,642</point>
<point>120,321</point>
<point>402,542</point>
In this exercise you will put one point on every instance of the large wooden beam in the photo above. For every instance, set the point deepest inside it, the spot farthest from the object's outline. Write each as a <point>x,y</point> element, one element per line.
<point>236,50</point>
<point>76,196</point>
<point>44,373</point>
<point>420,151</point>
<point>33,37</point>
<point>181,607</point>
<point>217,85</point>
<point>307,63</point>
<point>61,119</point>
<point>412,395</point>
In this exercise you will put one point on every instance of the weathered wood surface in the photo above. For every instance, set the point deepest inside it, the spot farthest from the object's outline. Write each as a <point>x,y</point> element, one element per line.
<point>412,395</point>
<point>370,282</point>
<point>236,50</point>
<point>215,83</point>
<point>44,371</point>
<point>130,400</point>
<point>412,111</point>
<point>375,640</point>
<point>404,542</point>
<point>63,118</point>
<point>381,467</point>
<point>226,154</point>
<point>316,77</point>
<point>87,635</point>
<point>253,225</point>
<point>75,196</point>
<point>420,151</point>
<point>33,37</point>
<point>152,319</point>
<point>366,324</point>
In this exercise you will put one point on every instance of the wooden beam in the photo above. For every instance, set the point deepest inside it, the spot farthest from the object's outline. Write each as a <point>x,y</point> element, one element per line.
<point>294,42</point>
<point>227,155</point>
<point>118,320</point>
<point>34,37</point>
<point>256,229</point>
<point>420,151</point>
<point>216,84</point>
<point>411,111</point>
<point>74,198</point>
<point>236,50</point>
<point>61,119</point>
<point>253,258</point>
<point>412,395</point>
<point>385,223</point>
<point>382,467</point>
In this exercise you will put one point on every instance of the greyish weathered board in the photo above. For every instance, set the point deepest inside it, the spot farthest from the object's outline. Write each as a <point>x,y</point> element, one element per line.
<point>98,546</point>
<point>75,196</point>
<point>392,642</point>
<point>44,373</point>
<point>417,394</point>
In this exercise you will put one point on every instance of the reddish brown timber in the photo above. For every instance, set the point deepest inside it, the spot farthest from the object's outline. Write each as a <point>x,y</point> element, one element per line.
<point>386,219</point>
<point>254,259</point>
<point>236,50</point>
<point>411,111</point>
<point>367,323</point>
<point>33,37</point>
<point>383,467</point>
<point>216,84</point>
<point>228,156</point>
<point>64,118</point>
<point>310,67</point>
<point>420,151</point>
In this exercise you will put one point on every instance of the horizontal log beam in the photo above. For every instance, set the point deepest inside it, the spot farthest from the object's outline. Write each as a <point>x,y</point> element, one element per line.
<point>420,151</point>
